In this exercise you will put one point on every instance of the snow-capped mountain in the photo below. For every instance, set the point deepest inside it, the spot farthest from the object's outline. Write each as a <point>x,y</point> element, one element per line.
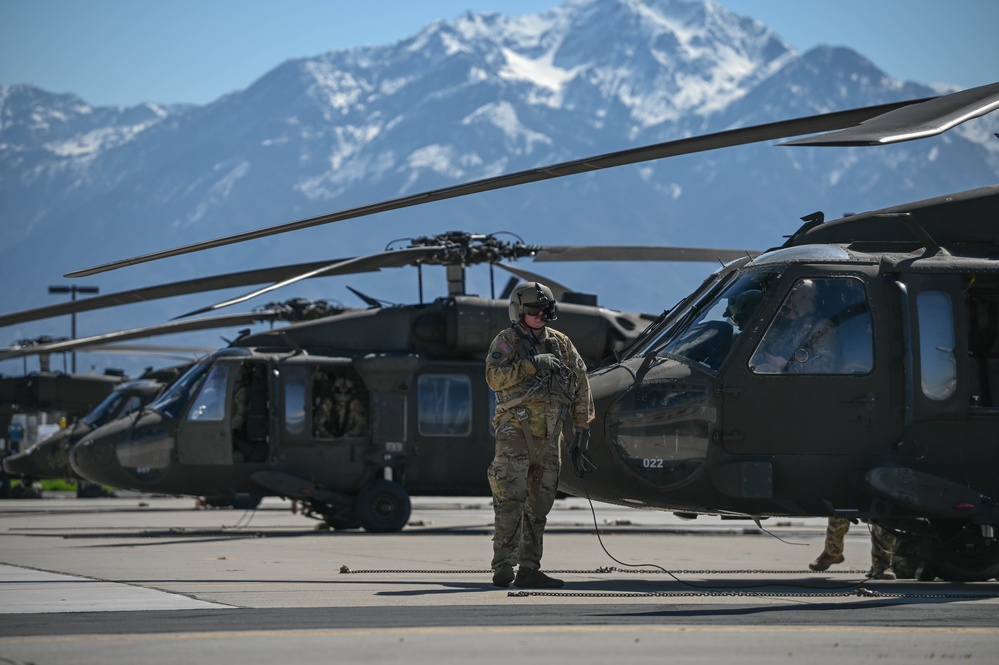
<point>475,97</point>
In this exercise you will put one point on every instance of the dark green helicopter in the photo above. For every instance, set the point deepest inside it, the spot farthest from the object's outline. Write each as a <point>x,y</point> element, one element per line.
<point>347,411</point>
<point>852,371</point>
<point>89,401</point>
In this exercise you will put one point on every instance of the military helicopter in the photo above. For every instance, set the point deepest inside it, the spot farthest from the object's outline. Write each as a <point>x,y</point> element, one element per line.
<point>90,400</point>
<point>878,404</point>
<point>49,458</point>
<point>383,399</point>
<point>49,391</point>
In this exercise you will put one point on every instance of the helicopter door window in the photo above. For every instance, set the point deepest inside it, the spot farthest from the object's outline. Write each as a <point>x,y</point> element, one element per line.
<point>294,403</point>
<point>445,404</point>
<point>339,404</point>
<point>210,402</point>
<point>823,327</point>
<point>936,344</point>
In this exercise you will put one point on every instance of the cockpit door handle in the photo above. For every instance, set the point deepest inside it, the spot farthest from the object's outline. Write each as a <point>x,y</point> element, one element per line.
<point>869,400</point>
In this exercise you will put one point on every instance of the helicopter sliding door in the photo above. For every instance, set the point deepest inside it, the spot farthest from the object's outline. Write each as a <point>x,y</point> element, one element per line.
<point>954,417</point>
<point>814,377</point>
<point>452,446</point>
<point>325,424</point>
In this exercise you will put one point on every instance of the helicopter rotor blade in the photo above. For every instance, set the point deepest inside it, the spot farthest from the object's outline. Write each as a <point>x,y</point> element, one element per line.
<point>929,118</point>
<point>392,259</point>
<point>185,287</point>
<point>183,353</point>
<point>558,290</point>
<point>728,138</point>
<point>140,333</point>
<point>639,253</point>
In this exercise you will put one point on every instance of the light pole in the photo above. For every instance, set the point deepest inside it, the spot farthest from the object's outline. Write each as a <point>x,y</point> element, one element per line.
<point>73,290</point>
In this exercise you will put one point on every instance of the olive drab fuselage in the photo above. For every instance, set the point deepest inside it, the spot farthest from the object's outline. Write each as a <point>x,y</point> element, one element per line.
<point>261,417</point>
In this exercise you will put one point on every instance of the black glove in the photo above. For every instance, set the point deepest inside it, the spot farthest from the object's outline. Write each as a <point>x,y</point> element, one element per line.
<point>547,361</point>
<point>581,462</point>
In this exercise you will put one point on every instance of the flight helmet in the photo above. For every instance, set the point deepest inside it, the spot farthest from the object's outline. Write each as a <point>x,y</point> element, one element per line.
<point>531,298</point>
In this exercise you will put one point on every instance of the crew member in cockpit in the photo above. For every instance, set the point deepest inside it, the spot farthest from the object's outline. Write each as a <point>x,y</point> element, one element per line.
<point>799,341</point>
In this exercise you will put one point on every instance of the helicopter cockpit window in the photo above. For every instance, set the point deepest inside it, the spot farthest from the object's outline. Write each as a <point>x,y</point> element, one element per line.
<point>937,363</point>
<point>120,407</point>
<point>210,402</point>
<point>707,332</point>
<point>172,402</point>
<point>823,327</point>
<point>294,401</point>
<point>445,404</point>
<point>101,414</point>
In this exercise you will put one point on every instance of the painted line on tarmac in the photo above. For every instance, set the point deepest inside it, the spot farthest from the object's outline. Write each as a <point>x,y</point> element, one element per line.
<point>29,591</point>
<point>501,630</point>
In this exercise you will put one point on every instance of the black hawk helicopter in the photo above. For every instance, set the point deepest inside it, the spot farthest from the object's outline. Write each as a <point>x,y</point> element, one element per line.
<point>851,371</point>
<point>325,412</point>
<point>49,457</point>
<point>88,401</point>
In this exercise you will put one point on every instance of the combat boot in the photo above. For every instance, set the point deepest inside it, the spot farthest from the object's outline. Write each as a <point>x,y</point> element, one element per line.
<point>532,578</point>
<point>503,576</point>
<point>825,560</point>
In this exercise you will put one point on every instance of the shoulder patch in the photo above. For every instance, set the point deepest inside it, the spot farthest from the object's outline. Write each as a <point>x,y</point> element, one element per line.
<point>505,348</point>
<point>497,355</point>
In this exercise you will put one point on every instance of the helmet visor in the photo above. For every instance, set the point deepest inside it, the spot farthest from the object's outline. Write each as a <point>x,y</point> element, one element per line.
<point>533,310</point>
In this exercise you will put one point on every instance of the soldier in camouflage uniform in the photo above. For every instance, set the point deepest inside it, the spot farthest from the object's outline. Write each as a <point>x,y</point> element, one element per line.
<point>883,545</point>
<point>540,383</point>
<point>338,412</point>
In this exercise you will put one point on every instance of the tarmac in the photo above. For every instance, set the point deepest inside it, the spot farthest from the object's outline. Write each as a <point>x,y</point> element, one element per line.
<point>150,579</point>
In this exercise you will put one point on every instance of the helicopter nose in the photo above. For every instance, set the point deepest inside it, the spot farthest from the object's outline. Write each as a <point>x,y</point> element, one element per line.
<point>125,453</point>
<point>46,459</point>
<point>22,464</point>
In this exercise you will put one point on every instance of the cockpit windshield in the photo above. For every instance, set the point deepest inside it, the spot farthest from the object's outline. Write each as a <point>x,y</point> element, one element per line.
<point>114,406</point>
<point>102,411</point>
<point>706,332</point>
<point>173,402</point>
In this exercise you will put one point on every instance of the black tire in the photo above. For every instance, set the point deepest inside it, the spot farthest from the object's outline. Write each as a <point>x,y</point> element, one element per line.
<point>382,506</point>
<point>959,553</point>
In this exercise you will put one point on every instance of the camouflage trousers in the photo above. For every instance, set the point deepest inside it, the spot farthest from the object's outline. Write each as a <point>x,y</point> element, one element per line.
<point>522,497</point>
<point>883,543</point>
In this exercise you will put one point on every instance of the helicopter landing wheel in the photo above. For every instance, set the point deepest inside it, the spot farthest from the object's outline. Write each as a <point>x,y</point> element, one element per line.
<point>960,553</point>
<point>382,506</point>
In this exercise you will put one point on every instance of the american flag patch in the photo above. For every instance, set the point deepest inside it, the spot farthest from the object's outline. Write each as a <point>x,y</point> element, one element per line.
<point>505,348</point>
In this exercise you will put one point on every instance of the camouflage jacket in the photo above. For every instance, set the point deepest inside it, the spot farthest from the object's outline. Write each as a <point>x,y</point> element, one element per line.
<point>545,395</point>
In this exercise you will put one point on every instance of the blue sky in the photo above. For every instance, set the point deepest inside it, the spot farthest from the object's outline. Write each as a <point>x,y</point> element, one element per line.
<point>129,51</point>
